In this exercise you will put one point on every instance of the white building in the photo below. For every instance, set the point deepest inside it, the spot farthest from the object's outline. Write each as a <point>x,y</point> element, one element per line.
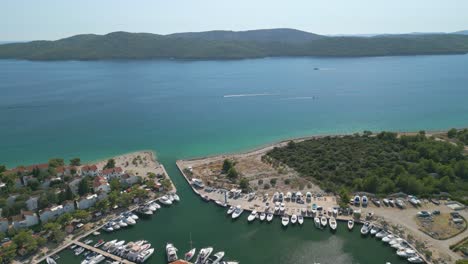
<point>32,202</point>
<point>3,224</point>
<point>89,170</point>
<point>50,213</point>
<point>25,219</point>
<point>87,201</point>
<point>100,184</point>
<point>112,173</point>
<point>68,206</point>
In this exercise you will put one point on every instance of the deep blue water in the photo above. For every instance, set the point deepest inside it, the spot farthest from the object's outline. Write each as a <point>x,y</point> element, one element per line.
<point>190,108</point>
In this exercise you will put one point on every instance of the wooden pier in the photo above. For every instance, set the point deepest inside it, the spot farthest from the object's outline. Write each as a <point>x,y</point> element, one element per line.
<point>104,253</point>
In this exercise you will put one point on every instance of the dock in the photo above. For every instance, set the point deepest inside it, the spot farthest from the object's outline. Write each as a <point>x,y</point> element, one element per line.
<point>104,253</point>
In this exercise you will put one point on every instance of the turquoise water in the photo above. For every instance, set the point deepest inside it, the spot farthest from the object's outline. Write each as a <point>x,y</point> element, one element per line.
<point>185,109</point>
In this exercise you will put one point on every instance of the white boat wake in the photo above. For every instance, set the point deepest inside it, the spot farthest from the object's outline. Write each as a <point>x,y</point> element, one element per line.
<point>299,98</point>
<point>247,95</point>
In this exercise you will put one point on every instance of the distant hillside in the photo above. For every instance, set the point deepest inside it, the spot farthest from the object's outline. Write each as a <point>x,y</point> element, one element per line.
<point>462,32</point>
<point>231,45</point>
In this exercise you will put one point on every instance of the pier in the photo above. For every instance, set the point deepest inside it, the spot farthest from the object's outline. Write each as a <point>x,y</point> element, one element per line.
<point>104,253</point>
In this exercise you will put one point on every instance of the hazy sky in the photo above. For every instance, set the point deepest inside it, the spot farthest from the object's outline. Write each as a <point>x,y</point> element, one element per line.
<point>53,19</point>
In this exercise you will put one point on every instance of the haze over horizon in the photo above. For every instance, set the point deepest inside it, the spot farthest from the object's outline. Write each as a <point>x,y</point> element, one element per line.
<point>24,20</point>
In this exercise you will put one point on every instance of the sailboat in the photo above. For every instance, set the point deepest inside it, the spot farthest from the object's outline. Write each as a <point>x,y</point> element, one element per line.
<point>190,254</point>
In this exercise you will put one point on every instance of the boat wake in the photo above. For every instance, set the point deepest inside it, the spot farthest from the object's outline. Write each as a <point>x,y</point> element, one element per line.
<point>299,98</point>
<point>248,95</point>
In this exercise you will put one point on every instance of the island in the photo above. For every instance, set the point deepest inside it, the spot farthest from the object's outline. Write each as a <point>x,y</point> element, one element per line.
<point>409,186</point>
<point>48,207</point>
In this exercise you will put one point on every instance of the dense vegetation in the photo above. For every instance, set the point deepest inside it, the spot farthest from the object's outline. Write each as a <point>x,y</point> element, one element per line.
<point>231,45</point>
<point>382,164</point>
<point>460,135</point>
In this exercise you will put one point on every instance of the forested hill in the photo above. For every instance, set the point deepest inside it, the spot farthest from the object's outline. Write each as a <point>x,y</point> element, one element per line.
<point>231,45</point>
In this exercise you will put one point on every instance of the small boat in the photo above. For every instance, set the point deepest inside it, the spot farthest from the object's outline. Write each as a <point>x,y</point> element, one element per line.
<point>88,241</point>
<point>399,245</point>
<point>176,197</point>
<point>73,246</point>
<point>300,219</point>
<point>317,222</point>
<point>129,221</point>
<point>285,220</point>
<point>416,259</point>
<point>374,230</point>
<point>143,256</point>
<point>350,224</point>
<point>252,216</point>
<point>230,210</point>
<point>96,233</point>
<point>50,260</point>
<point>189,255</point>
<point>165,200</point>
<point>365,229</point>
<point>282,207</point>
<point>396,241</point>
<point>323,221</point>
<point>381,234</point>
<point>237,212</point>
<point>78,251</point>
<point>314,209</point>
<point>216,258</point>
<point>293,219</point>
<point>333,223</point>
<point>99,243</point>
<point>406,252</point>
<point>203,255</point>
<point>388,238</point>
<point>269,217</point>
<point>109,244</point>
<point>171,252</point>
<point>262,216</point>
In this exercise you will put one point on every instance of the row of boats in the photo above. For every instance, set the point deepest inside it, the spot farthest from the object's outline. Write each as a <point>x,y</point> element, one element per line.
<point>204,255</point>
<point>150,208</point>
<point>125,219</point>
<point>403,248</point>
<point>137,252</point>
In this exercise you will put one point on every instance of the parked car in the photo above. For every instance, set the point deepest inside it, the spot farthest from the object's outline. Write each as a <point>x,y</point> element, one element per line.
<point>436,212</point>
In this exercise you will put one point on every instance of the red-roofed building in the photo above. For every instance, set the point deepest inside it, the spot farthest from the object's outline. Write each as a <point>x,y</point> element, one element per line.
<point>89,170</point>
<point>100,184</point>
<point>112,173</point>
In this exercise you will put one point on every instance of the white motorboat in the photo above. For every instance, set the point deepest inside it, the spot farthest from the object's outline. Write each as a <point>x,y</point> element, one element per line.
<point>176,197</point>
<point>78,251</point>
<point>97,259</point>
<point>151,207</point>
<point>381,234</point>
<point>203,255</point>
<point>262,216</point>
<point>134,216</point>
<point>252,216</point>
<point>406,252</point>
<point>269,217</point>
<point>293,219</point>
<point>350,224</point>
<point>416,259</point>
<point>189,255</point>
<point>230,210</point>
<point>317,222</point>
<point>50,260</point>
<point>365,228</point>
<point>282,207</point>
<point>122,223</point>
<point>374,230</point>
<point>402,244</point>
<point>333,224</point>
<point>165,200</point>
<point>300,219</point>
<point>216,258</point>
<point>109,244</point>
<point>171,253</point>
<point>285,220</point>
<point>397,240</point>
<point>388,238</point>
<point>237,212</point>
<point>143,256</point>
<point>130,221</point>
<point>99,243</point>
<point>323,221</point>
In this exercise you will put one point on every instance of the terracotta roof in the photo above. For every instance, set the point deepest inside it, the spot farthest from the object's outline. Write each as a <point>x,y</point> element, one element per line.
<point>179,262</point>
<point>17,218</point>
<point>89,168</point>
<point>112,170</point>
<point>60,169</point>
<point>27,212</point>
<point>99,180</point>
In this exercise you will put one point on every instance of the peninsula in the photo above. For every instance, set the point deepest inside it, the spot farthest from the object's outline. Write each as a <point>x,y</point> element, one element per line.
<point>219,44</point>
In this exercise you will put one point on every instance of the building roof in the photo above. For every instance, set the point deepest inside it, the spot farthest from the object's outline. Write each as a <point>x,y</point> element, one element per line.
<point>112,170</point>
<point>89,168</point>
<point>99,180</point>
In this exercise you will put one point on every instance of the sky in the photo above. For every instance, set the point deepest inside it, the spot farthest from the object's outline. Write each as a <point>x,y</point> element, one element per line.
<point>54,19</point>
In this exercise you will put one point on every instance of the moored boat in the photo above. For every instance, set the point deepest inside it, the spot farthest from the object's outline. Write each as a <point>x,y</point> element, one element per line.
<point>237,212</point>
<point>165,200</point>
<point>231,210</point>
<point>300,219</point>
<point>262,216</point>
<point>189,255</point>
<point>50,260</point>
<point>317,222</point>
<point>293,219</point>
<point>252,216</point>
<point>285,220</point>
<point>365,228</point>
<point>216,258</point>
<point>269,217</point>
<point>203,255</point>
<point>323,221</point>
<point>333,224</point>
<point>350,224</point>
<point>171,253</point>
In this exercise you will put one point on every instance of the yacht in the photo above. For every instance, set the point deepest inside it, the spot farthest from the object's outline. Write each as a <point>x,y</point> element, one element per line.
<point>416,259</point>
<point>151,207</point>
<point>203,255</point>
<point>285,220</point>
<point>165,200</point>
<point>176,197</point>
<point>230,210</point>
<point>350,224</point>
<point>129,221</point>
<point>237,212</point>
<point>216,258</point>
<point>317,222</point>
<point>300,219</point>
<point>406,252</point>
<point>333,223</point>
<point>252,216</point>
<point>374,230</point>
<point>262,216</point>
<point>365,228</point>
<point>78,251</point>
<point>99,243</point>
<point>143,256</point>
<point>323,221</point>
<point>109,244</point>
<point>293,219</point>
<point>50,260</point>
<point>381,234</point>
<point>282,207</point>
<point>388,238</point>
<point>122,223</point>
<point>402,244</point>
<point>171,252</point>
<point>189,255</point>
<point>97,259</point>
<point>397,241</point>
<point>269,217</point>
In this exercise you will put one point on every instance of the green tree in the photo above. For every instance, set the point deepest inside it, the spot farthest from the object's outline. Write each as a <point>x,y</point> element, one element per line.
<point>244,184</point>
<point>8,253</point>
<point>115,185</point>
<point>110,164</point>
<point>65,219</point>
<point>273,181</point>
<point>57,234</point>
<point>344,197</point>
<point>56,162</point>
<point>81,215</point>
<point>25,240</point>
<point>452,133</point>
<point>75,162</point>
<point>68,193</point>
<point>232,174</point>
<point>102,205</point>
<point>166,184</point>
<point>83,187</point>
<point>227,165</point>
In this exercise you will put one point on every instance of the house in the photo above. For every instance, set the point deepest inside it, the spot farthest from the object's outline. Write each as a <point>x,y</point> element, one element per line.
<point>89,170</point>
<point>73,184</point>
<point>86,201</point>
<point>51,213</point>
<point>68,206</point>
<point>100,184</point>
<point>26,179</point>
<point>12,199</point>
<point>129,179</point>
<point>31,203</point>
<point>25,219</point>
<point>3,224</point>
<point>112,173</point>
